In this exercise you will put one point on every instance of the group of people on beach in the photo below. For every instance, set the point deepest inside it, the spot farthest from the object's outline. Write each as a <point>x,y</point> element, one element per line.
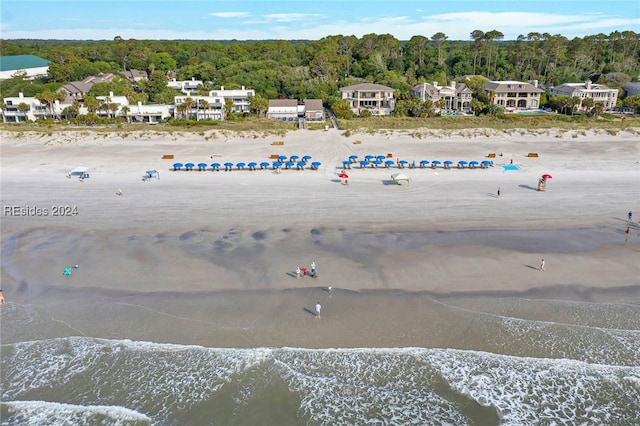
<point>303,271</point>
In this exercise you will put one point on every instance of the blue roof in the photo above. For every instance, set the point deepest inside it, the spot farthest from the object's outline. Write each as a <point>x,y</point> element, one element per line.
<point>21,62</point>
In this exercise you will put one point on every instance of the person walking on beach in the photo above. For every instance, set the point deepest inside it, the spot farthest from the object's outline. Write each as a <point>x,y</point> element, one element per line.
<point>318,308</point>
<point>329,289</point>
<point>630,216</point>
<point>542,265</point>
<point>626,234</point>
<point>304,271</point>
<point>313,269</point>
<point>1,298</point>
<point>297,273</point>
<point>498,192</point>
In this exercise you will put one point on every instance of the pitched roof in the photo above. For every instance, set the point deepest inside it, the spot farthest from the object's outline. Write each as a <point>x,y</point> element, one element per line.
<point>313,104</point>
<point>511,86</point>
<point>21,62</point>
<point>283,103</point>
<point>367,86</point>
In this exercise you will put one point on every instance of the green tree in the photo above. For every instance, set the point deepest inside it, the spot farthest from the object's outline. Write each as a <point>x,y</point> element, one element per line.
<point>439,38</point>
<point>258,104</point>
<point>228,107</point>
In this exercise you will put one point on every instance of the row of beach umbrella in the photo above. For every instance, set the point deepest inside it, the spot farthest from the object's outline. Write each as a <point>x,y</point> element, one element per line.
<point>228,166</point>
<point>380,161</point>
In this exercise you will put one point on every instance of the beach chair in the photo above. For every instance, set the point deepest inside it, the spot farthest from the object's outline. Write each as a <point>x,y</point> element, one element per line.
<point>67,271</point>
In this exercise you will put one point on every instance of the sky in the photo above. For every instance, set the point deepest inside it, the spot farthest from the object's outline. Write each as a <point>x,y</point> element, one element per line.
<point>309,19</point>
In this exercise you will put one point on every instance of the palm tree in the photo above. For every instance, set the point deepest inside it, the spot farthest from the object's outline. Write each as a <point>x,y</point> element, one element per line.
<point>587,103</point>
<point>189,103</point>
<point>597,109</point>
<point>204,105</point>
<point>182,110</point>
<point>125,111</point>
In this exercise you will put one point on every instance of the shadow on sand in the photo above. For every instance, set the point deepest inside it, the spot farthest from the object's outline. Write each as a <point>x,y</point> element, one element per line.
<point>532,267</point>
<point>528,187</point>
<point>309,311</point>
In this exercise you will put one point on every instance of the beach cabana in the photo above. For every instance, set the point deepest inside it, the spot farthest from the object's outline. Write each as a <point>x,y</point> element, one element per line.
<point>264,165</point>
<point>202,167</point>
<point>78,171</point>
<point>189,166</point>
<point>400,178</point>
<point>215,167</point>
<point>177,166</point>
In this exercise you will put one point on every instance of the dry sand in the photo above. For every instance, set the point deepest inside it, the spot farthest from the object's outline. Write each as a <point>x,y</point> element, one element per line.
<point>214,252</point>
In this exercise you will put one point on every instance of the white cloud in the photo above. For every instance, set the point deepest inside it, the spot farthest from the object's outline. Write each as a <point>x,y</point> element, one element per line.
<point>230,15</point>
<point>289,17</point>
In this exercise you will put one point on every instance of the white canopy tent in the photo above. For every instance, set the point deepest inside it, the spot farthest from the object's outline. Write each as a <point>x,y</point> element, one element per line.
<point>78,171</point>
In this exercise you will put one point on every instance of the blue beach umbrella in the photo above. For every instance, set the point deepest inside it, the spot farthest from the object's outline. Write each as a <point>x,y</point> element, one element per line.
<point>252,165</point>
<point>423,162</point>
<point>448,162</point>
<point>294,157</point>
<point>264,165</point>
<point>389,163</point>
<point>228,166</point>
<point>301,164</point>
<point>277,164</point>
<point>315,165</point>
<point>353,158</point>
<point>473,163</point>
<point>364,163</point>
<point>189,166</point>
<point>241,165</point>
<point>436,162</point>
<point>464,163</point>
<point>346,163</point>
<point>202,166</point>
<point>403,162</point>
<point>177,166</point>
<point>282,158</point>
<point>369,157</point>
<point>306,157</point>
<point>486,163</point>
<point>215,166</point>
<point>381,157</point>
<point>289,164</point>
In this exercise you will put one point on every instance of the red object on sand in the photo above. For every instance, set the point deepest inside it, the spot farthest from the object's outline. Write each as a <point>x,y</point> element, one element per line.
<point>304,270</point>
<point>547,176</point>
<point>343,175</point>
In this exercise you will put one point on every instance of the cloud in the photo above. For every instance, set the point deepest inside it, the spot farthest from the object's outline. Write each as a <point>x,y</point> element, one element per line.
<point>290,17</point>
<point>230,15</point>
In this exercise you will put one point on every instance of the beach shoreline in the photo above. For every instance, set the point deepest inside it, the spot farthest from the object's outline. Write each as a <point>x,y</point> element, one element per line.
<point>209,246</point>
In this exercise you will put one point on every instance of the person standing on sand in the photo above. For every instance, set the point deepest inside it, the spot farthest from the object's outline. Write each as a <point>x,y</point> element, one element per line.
<point>318,308</point>
<point>304,271</point>
<point>542,265</point>
<point>630,216</point>
<point>329,289</point>
<point>297,273</point>
<point>498,192</point>
<point>313,269</point>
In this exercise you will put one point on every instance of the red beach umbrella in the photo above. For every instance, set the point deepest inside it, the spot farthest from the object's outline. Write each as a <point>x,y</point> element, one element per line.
<point>547,176</point>
<point>343,175</point>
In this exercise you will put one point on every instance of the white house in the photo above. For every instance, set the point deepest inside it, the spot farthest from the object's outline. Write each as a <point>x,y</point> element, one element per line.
<point>33,66</point>
<point>598,92</point>
<point>514,95</point>
<point>456,96</point>
<point>185,86</point>
<point>152,114</point>
<point>27,108</point>
<point>368,96</point>
<point>283,109</point>
<point>203,108</point>
<point>240,97</point>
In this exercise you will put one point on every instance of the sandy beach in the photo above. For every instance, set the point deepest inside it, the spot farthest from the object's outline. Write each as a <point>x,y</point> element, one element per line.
<point>209,257</point>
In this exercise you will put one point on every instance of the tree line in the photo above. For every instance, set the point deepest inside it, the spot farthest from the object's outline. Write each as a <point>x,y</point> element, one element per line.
<point>304,69</point>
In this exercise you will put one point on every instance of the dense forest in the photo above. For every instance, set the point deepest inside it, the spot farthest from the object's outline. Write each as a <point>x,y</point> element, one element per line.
<point>316,69</point>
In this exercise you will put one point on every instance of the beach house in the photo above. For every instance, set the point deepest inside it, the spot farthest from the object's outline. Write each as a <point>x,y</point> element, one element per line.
<point>456,96</point>
<point>240,97</point>
<point>514,95</point>
<point>77,90</point>
<point>598,92</point>
<point>369,96</point>
<point>199,107</point>
<point>185,86</point>
<point>283,109</point>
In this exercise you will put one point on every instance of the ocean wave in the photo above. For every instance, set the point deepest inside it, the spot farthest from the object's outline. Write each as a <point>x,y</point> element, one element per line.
<point>42,413</point>
<point>176,384</point>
